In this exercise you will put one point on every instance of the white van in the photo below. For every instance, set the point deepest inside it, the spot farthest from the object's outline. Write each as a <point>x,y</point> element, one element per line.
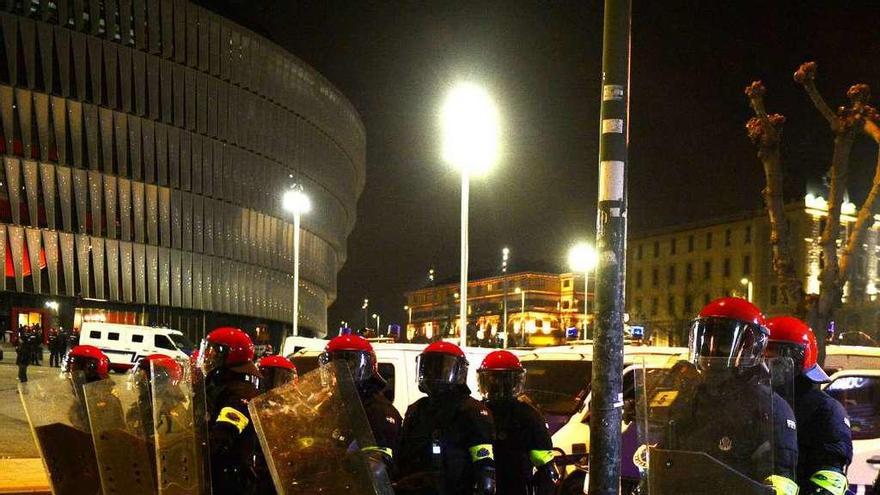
<point>126,344</point>
<point>293,344</point>
<point>397,365</point>
<point>859,392</point>
<point>851,357</point>
<point>558,384</point>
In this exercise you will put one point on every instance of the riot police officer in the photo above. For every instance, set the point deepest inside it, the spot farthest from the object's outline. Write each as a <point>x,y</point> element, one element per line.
<point>89,360</point>
<point>723,405</point>
<point>446,440</point>
<point>384,419</point>
<point>274,372</point>
<point>825,445</point>
<point>226,359</point>
<point>522,440</point>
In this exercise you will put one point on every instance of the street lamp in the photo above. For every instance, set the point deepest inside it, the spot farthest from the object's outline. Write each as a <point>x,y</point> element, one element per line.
<point>522,309</point>
<point>470,143</point>
<point>582,258</point>
<point>749,287</point>
<point>505,254</point>
<point>408,310</point>
<point>364,307</point>
<point>296,202</point>
<point>378,323</point>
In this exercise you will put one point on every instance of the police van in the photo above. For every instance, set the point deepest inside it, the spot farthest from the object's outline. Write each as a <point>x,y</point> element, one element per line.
<point>859,392</point>
<point>397,365</point>
<point>558,384</point>
<point>126,344</point>
<point>293,344</point>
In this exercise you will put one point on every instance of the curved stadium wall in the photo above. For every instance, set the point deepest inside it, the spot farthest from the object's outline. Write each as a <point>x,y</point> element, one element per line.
<point>145,148</point>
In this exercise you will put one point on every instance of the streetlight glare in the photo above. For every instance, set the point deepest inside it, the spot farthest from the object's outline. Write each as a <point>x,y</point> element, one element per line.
<point>470,124</point>
<point>582,257</point>
<point>296,201</point>
<point>744,281</point>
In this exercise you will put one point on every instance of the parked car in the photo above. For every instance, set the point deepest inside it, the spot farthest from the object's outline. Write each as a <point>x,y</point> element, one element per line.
<point>126,344</point>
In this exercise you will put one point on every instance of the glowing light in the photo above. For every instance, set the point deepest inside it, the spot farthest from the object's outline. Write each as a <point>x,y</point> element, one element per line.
<point>296,201</point>
<point>582,257</point>
<point>470,124</point>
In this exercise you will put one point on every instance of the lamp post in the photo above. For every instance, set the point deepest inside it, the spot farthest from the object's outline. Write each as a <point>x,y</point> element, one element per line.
<point>749,287</point>
<point>522,310</point>
<point>378,323</point>
<point>433,297</point>
<point>296,202</point>
<point>364,307</point>
<point>470,144</point>
<point>505,253</point>
<point>582,258</point>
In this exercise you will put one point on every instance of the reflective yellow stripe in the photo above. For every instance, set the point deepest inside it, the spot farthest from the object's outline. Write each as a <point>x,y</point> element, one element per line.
<point>383,450</point>
<point>832,481</point>
<point>540,457</point>
<point>782,485</point>
<point>482,451</point>
<point>233,417</point>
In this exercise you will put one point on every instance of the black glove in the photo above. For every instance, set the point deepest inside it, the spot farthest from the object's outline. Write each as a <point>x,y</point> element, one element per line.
<point>546,479</point>
<point>485,481</point>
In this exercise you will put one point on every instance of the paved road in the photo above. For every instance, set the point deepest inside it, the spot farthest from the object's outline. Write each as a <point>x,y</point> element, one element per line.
<point>16,440</point>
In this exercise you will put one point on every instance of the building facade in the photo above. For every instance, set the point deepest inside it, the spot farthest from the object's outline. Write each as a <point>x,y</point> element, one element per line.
<point>146,146</point>
<point>673,272</point>
<point>540,308</point>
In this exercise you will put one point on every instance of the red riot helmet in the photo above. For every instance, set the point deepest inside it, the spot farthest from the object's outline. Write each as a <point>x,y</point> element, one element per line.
<point>792,338</point>
<point>501,376</point>
<point>274,372</point>
<point>441,367</point>
<point>729,330</point>
<point>89,360</point>
<point>143,370</point>
<point>227,348</point>
<point>357,352</point>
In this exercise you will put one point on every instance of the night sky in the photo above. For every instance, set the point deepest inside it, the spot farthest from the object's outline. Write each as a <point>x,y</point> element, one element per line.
<point>689,155</point>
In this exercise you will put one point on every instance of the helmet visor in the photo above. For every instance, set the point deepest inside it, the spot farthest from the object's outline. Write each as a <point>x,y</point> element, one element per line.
<point>212,356</point>
<point>435,367</point>
<point>361,364</point>
<point>796,352</point>
<point>726,342</point>
<point>273,377</point>
<point>501,384</point>
<point>88,366</point>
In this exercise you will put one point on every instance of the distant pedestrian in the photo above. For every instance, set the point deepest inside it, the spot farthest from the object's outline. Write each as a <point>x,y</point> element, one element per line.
<point>22,359</point>
<point>54,348</point>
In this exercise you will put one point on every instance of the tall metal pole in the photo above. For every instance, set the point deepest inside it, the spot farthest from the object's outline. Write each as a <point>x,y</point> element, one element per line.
<point>607,381</point>
<point>586,301</point>
<point>296,222</point>
<point>462,310</point>
<point>504,254</point>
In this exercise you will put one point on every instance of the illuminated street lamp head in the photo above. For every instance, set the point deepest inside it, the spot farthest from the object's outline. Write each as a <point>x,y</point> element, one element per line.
<point>517,290</point>
<point>744,281</point>
<point>582,257</point>
<point>296,201</point>
<point>374,315</point>
<point>470,129</point>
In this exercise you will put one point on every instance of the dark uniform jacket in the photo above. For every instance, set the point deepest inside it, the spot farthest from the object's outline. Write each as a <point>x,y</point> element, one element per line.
<point>736,419</point>
<point>444,441</point>
<point>521,442</point>
<point>384,420</point>
<point>827,439</point>
<point>232,437</point>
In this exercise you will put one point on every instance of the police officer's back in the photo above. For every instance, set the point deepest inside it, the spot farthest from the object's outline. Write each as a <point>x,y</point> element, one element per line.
<point>226,358</point>
<point>825,440</point>
<point>522,441</point>
<point>446,440</point>
<point>383,417</point>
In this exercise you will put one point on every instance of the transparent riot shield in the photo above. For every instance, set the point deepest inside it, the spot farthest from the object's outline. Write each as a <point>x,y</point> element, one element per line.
<point>180,430</point>
<point>314,434</point>
<point>123,447</point>
<point>709,428</point>
<point>57,416</point>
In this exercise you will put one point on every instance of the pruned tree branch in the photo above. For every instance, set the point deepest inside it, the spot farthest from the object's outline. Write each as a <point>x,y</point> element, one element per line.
<point>864,220</point>
<point>806,76</point>
<point>765,131</point>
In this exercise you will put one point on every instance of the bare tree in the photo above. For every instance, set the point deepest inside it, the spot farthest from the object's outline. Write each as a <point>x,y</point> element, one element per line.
<point>845,124</point>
